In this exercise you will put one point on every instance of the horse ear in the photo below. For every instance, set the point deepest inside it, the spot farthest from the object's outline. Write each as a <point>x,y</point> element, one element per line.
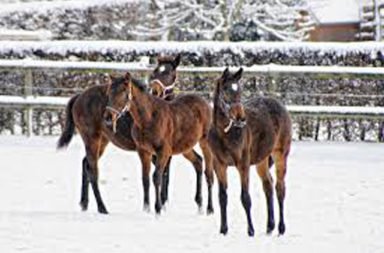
<point>176,61</point>
<point>225,73</point>
<point>238,74</point>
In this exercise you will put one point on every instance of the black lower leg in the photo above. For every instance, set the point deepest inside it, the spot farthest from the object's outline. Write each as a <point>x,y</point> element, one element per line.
<point>246,201</point>
<point>198,197</point>
<point>223,199</point>
<point>209,179</point>
<point>165,183</point>
<point>95,187</point>
<point>157,182</point>
<point>84,186</point>
<point>268,190</point>
<point>280,189</point>
<point>145,181</point>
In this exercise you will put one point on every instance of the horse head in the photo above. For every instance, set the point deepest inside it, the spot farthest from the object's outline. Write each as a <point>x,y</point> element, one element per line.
<point>228,99</point>
<point>162,80</point>
<point>118,94</point>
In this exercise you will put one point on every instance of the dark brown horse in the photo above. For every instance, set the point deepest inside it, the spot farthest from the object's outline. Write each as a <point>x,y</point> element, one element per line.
<point>162,80</point>
<point>243,135</point>
<point>85,113</point>
<point>165,128</point>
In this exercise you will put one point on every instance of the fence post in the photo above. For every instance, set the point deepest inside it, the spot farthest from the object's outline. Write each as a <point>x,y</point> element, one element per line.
<point>28,112</point>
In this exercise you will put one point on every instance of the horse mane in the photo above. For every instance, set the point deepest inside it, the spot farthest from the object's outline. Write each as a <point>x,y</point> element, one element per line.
<point>216,99</point>
<point>139,84</point>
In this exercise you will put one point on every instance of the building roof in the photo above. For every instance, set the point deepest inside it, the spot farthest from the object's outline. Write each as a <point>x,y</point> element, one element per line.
<point>335,11</point>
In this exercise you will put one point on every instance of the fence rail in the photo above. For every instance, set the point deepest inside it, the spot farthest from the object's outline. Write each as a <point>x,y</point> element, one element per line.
<point>29,102</point>
<point>143,67</point>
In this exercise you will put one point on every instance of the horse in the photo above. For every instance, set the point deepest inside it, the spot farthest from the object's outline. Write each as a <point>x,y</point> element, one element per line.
<point>164,128</point>
<point>245,134</point>
<point>85,113</point>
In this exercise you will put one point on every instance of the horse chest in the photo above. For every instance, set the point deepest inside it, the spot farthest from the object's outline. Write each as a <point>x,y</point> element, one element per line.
<point>225,149</point>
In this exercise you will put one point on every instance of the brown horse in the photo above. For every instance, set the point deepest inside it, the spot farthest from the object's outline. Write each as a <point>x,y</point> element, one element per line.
<point>243,135</point>
<point>165,128</point>
<point>85,113</point>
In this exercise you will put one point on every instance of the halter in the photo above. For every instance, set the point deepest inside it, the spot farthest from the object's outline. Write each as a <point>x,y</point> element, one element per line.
<point>232,121</point>
<point>165,88</point>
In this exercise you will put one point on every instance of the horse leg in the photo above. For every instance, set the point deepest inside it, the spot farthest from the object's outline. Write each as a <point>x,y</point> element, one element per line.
<point>86,173</point>
<point>221,174</point>
<point>266,178</point>
<point>93,174</point>
<point>84,185</point>
<point>145,158</point>
<point>208,172</point>
<point>196,161</point>
<point>245,198</point>
<point>164,189</point>
<point>280,159</point>
<point>165,184</point>
<point>161,161</point>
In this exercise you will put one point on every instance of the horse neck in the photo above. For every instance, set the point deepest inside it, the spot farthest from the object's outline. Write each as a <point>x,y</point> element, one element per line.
<point>219,117</point>
<point>141,108</point>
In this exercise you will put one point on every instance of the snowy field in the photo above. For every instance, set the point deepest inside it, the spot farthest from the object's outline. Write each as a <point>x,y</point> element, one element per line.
<point>334,203</point>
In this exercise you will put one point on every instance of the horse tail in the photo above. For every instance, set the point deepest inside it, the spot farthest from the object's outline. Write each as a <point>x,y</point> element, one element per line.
<point>69,127</point>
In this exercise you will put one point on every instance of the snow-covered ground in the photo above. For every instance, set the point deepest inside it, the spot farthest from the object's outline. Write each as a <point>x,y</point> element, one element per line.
<point>334,203</point>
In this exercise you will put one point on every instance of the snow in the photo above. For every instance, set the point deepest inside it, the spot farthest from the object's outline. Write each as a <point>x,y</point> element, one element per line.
<point>41,101</point>
<point>316,110</point>
<point>156,47</point>
<point>334,203</point>
<point>44,6</point>
<point>6,34</point>
<point>337,11</point>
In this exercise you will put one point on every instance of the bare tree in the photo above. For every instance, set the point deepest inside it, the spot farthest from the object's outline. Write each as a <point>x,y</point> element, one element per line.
<point>285,20</point>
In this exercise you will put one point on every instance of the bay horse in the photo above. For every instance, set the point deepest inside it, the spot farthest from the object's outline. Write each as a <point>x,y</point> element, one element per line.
<point>164,128</point>
<point>85,113</point>
<point>246,134</point>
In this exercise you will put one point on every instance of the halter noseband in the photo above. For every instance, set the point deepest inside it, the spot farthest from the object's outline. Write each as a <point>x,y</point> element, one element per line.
<point>165,88</point>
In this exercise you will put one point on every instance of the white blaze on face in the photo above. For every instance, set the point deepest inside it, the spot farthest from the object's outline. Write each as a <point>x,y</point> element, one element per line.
<point>161,68</point>
<point>235,87</point>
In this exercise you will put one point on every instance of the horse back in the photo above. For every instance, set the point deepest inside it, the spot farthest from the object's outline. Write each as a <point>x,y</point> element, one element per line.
<point>270,126</point>
<point>191,120</point>
<point>191,108</point>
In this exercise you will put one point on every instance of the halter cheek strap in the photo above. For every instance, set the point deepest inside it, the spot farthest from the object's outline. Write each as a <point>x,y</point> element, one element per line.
<point>228,127</point>
<point>119,114</point>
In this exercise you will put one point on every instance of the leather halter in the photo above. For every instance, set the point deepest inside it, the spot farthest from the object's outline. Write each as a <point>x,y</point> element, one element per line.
<point>232,121</point>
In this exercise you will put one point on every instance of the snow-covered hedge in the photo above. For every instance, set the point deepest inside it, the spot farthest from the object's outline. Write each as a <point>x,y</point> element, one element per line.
<point>102,19</point>
<point>291,89</point>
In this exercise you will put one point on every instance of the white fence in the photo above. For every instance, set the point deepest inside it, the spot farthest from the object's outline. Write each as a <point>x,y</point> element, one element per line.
<point>28,102</point>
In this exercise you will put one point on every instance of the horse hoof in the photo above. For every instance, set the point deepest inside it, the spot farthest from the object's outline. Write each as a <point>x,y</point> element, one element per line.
<point>158,209</point>
<point>103,210</point>
<point>146,208</point>
<point>84,207</point>
<point>209,210</point>
<point>270,227</point>
<point>199,201</point>
<point>281,228</point>
<point>224,230</point>
<point>251,232</point>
